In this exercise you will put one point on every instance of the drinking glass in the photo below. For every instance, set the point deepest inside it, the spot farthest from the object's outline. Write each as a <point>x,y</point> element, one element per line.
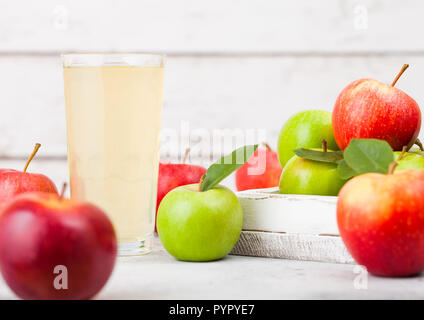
<point>113,115</point>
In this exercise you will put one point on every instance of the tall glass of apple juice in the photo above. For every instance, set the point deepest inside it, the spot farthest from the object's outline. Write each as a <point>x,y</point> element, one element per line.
<point>113,113</point>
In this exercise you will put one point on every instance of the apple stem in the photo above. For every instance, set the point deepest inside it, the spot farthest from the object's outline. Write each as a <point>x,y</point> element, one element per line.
<point>404,67</point>
<point>202,179</point>
<point>266,145</point>
<point>392,167</point>
<point>62,192</point>
<point>419,144</point>
<point>324,145</point>
<point>187,151</point>
<point>37,146</point>
<point>402,153</point>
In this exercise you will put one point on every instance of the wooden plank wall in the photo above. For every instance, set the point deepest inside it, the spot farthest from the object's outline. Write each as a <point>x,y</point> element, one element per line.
<point>241,64</point>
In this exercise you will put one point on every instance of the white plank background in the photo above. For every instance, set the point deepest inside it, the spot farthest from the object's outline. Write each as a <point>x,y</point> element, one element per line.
<point>221,26</point>
<point>244,65</point>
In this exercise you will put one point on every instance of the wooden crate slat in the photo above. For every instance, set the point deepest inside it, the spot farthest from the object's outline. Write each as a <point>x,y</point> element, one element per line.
<point>292,246</point>
<point>299,227</point>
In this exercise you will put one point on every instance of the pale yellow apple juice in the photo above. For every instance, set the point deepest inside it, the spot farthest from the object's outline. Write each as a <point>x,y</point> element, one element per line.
<point>113,122</point>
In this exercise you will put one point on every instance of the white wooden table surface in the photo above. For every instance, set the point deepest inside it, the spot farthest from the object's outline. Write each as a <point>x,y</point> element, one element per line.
<point>160,276</point>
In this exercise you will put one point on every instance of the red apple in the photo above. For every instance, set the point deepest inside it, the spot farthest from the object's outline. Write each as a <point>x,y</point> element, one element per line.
<point>270,175</point>
<point>13,182</point>
<point>172,175</point>
<point>367,108</point>
<point>381,221</point>
<point>41,234</point>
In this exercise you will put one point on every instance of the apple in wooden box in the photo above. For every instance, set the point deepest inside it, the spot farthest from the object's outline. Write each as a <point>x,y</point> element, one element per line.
<point>367,108</point>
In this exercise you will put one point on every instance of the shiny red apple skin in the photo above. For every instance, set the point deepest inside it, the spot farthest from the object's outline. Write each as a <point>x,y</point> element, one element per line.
<point>381,221</point>
<point>172,175</point>
<point>39,231</point>
<point>13,182</point>
<point>367,108</point>
<point>269,178</point>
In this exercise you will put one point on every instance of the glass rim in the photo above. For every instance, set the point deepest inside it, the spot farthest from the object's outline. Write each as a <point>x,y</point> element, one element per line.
<point>88,59</point>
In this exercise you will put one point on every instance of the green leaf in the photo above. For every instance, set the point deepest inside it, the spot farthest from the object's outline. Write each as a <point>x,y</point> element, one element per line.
<point>368,155</point>
<point>226,165</point>
<point>345,172</point>
<point>316,155</point>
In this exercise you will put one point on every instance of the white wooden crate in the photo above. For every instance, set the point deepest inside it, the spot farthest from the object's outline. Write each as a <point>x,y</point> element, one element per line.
<point>299,227</point>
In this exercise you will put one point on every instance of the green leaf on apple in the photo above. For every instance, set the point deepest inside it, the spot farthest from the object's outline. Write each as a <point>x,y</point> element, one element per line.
<point>345,172</point>
<point>365,155</point>
<point>226,165</point>
<point>317,155</point>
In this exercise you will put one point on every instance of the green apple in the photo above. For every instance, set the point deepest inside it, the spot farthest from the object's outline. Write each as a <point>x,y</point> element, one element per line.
<point>303,176</point>
<point>305,129</point>
<point>199,226</point>
<point>410,160</point>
